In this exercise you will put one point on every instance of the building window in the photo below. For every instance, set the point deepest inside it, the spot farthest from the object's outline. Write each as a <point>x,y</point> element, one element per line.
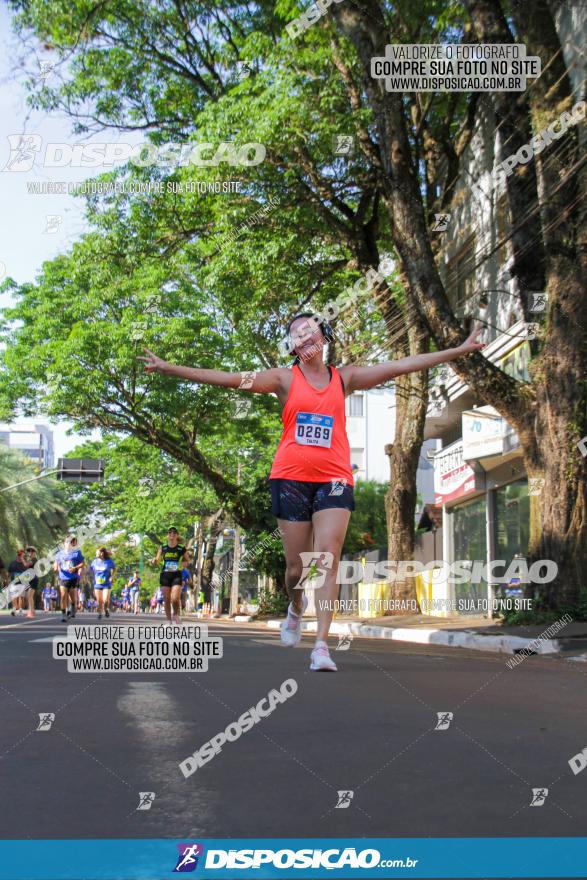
<point>356,405</point>
<point>470,545</point>
<point>516,362</point>
<point>357,458</point>
<point>512,514</point>
<point>461,275</point>
<point>32,453</point>
<point>503,227</point>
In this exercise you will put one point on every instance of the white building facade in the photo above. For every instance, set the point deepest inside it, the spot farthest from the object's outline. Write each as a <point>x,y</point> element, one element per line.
<point>32,439</point>
<point>371,417</point>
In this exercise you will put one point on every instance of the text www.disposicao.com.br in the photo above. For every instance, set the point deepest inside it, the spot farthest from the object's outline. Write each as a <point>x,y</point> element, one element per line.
<point>135,664</point>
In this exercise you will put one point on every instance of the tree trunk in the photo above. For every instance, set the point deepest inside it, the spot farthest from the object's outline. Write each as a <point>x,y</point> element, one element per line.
<point>548,414</point>
<point>214,529</point>
<point>400,499</point>
<point>512,118</point>
<point>550,438</point>
<point>411,406</point>
<point>553,182</point>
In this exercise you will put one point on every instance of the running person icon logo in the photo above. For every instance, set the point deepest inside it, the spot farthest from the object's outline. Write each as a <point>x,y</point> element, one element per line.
<point>46,720</point>
<point>539,795</point>
<point>344,799</point>
<point>313,568</point>
<point>146,799</point>
<point>444,719</point>
<point>187,860</point>
<point>538,301</point>
<point>441,222</point>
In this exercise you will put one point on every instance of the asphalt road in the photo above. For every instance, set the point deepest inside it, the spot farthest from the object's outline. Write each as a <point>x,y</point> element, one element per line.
<point>369,729</point>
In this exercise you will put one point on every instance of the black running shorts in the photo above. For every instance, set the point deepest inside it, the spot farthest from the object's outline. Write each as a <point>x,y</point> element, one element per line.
<point>71,584</point>
<point>296,501</point>
<point>170,579</point>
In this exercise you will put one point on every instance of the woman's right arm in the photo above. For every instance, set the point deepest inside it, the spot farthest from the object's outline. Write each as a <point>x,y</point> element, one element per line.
<point>157,559</point>
<point>260,382</point>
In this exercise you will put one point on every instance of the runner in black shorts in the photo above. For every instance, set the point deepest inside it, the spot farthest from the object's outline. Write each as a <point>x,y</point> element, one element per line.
<point>311,478</point>
<point>173,557</point>
<point>68,565</point>
<point>297,501</point>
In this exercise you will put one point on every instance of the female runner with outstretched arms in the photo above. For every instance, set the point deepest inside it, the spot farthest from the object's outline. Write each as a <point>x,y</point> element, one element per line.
<point>311,478</point>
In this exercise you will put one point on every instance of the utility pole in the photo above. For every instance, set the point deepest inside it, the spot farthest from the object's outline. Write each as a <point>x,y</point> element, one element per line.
<point>199,554</point>
<point>236,557</point>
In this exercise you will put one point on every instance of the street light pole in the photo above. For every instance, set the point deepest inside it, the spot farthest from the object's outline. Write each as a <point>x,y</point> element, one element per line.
<point>141,555</point>
<point>199,554</point>
<point>30,480</point>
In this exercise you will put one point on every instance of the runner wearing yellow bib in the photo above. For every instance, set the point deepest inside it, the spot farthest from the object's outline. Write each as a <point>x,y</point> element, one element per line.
<point>172,556</point>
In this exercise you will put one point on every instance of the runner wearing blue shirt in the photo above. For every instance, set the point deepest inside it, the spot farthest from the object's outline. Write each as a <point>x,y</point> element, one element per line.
<point>103,568</point>
<point>68,564</point>
<point>186,579</point>
<point>134,585</point>
<point>47,595</point>
<point>160,598</point>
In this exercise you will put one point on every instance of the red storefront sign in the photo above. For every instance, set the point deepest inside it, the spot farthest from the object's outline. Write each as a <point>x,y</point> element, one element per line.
<point>453,477</point>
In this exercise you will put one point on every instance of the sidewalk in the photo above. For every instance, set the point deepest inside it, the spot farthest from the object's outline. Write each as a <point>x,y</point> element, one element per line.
<point>474,633</point>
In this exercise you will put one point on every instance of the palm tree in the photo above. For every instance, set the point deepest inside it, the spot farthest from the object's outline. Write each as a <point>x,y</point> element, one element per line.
<point>33,514</point>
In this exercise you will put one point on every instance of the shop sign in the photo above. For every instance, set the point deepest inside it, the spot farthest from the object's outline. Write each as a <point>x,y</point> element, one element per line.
<point>453,477</point>
<point>482,433</point>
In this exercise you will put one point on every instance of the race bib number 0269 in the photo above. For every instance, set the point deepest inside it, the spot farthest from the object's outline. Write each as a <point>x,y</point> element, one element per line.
<point>313,429</point>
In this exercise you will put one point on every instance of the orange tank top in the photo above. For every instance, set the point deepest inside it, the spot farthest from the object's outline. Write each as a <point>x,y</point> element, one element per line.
<point>314,446</point>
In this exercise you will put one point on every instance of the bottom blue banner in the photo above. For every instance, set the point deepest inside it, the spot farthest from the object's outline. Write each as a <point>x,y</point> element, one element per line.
<point>226,858</point>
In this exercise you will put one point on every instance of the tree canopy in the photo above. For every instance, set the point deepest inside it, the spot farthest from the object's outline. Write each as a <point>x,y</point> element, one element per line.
<point>207,279</point>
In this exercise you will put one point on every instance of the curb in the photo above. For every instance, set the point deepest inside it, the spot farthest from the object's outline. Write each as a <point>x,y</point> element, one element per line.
<point>451,638</point>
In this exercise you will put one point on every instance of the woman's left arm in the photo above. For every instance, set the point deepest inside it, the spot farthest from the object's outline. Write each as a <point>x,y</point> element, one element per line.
<point>363,378</point>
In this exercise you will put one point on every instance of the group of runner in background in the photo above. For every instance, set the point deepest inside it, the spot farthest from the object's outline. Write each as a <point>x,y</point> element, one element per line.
<point>80,586</point>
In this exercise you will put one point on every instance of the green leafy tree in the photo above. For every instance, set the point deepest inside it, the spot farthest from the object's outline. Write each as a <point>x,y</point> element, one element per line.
<point>336,214</point>
<point>368,527</point>
<point>328,222</point>
<point>33,513</point>
<point>144,491</point>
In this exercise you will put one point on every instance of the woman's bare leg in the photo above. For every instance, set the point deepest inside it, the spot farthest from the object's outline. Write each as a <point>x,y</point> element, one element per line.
<point>167,602</point>
<point>297,538</point>
<point>329,533</point>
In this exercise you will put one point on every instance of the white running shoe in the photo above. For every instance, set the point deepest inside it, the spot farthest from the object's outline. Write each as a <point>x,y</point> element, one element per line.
<point>291,627</point>
<point>176,619</point>
<point>321,659</point>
